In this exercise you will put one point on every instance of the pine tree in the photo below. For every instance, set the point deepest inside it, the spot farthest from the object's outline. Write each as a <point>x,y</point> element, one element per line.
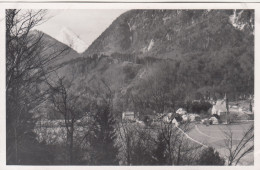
<point>210,157</point>
<point>142,148</point>
<point>159,154</point>
<point>104,151</point>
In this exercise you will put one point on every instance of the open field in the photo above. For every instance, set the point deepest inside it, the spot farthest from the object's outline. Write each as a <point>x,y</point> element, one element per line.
<point>214,136</point>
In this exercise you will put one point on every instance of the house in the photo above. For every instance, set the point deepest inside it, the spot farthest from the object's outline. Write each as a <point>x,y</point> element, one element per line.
<point>212,101</point>
<point>194,117</point>
<point>167,117</point>
<point>173,118</point>
<point>128,116</point>
<point>219,108</point>
<point>214,120</point>
<point>175,122</point>
<point>178,118</point>
<point>223,110</point>
<point>205,121</point>
<point>181,111</point>
<point>185,118</point>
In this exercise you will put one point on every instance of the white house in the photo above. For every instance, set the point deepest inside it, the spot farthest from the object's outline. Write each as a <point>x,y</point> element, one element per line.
<point>219,108</point>
<point>185,118</point>
<point>128,115</point>
<point>175,122</point>
<point>181,111</point>
<point>168,117</point>
<point>194,117</point>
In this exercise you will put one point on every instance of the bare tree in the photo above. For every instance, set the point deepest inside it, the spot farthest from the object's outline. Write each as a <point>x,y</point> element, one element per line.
<point>136,144</point>
<point>27,60</point>
<point>125,135</point>
<point>68,105</point>
<point>238,149</point>
<point>161,144</point>
<point>180,150</point>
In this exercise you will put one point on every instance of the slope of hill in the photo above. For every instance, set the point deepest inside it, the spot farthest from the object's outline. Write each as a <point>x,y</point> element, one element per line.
<point>157,58</point>
<point>169,33</point>
<point>52,48</point>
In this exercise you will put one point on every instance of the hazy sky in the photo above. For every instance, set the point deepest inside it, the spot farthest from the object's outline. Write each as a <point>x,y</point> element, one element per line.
<point>88,24</point>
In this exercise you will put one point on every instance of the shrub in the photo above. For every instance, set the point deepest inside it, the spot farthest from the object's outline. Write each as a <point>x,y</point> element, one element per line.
<point>210,157</point>
<point>200,107</point>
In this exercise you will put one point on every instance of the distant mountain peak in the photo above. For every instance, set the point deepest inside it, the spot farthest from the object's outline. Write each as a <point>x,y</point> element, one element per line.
<point>71,39</point>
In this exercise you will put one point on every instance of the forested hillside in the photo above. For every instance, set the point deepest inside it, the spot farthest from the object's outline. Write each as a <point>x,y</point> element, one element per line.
<point>182,54</point>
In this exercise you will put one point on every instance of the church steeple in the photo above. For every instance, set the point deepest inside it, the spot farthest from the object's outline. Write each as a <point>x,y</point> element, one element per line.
<point>227,107</point>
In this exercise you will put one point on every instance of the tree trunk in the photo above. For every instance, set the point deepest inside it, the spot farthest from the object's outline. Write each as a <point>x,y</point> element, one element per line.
<point>170,153</point>
<point>71,145</point>
<point>179,155</point>
<point>128,151</point>
<point>16,146</point>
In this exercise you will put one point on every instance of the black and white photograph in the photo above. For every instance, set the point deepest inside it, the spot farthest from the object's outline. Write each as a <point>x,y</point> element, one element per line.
<point>142,86</point>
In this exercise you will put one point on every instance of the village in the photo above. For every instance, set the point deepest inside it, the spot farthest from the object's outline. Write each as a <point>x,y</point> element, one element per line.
<point>157,87</point>
<point>204,130</point>
<point>224,121</point>
<point>221,112</point>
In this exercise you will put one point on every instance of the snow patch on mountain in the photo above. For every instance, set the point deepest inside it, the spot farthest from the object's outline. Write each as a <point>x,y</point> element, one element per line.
<point>234,19</point>
<point>68,37</point>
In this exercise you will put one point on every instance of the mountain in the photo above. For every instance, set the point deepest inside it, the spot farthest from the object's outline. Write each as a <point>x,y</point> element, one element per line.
<point>155,59</point>
<point>172,32</point>
<point>66,36</point>
<point>60,52</point>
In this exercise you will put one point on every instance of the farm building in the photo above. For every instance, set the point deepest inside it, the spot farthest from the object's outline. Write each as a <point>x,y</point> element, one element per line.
<point>128,115</point>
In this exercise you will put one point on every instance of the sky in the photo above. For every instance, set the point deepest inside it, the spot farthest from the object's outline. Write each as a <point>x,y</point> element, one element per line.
<point>88,24</point>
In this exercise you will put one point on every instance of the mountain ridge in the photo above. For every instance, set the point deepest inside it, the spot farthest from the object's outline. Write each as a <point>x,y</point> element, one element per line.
<point>127,34</point>
<point>68,37</point>
<point>53,46</point>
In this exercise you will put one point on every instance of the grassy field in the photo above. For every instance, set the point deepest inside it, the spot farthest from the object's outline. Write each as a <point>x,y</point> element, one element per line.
<point>214,135</point>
